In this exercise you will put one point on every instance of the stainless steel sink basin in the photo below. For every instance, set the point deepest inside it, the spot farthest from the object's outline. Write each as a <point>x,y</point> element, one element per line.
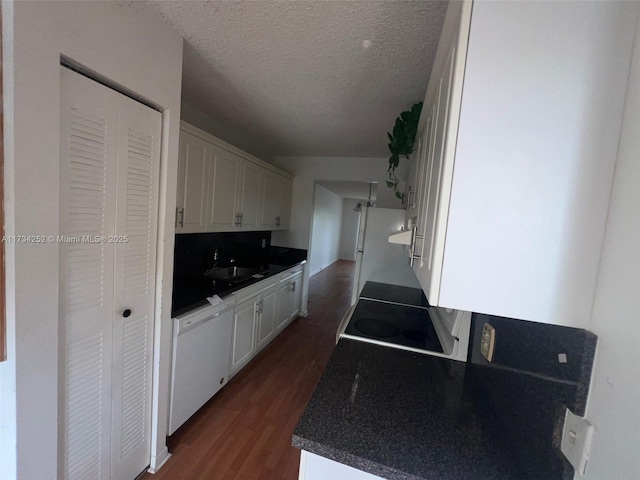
<point>232,274</point>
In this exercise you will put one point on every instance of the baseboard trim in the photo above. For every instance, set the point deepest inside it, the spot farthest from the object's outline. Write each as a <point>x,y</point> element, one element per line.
<point>158,461</point>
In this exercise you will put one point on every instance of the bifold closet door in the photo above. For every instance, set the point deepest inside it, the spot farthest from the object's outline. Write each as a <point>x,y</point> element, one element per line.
<point>109,161</point>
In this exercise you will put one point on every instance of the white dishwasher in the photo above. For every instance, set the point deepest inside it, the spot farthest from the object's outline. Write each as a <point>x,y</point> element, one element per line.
<point>201,353</point>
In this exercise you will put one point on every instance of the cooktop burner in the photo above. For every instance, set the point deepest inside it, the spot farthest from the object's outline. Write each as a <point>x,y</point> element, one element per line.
<point>378,308</point>
<point>383,292</point>
<point>393,325</point>
<point>415,335</point>
<point>376,328</point>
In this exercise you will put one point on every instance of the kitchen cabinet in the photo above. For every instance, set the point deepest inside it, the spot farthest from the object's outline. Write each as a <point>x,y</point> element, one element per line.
<point>244,339</point>
<point>223,189</point>
<point>193,166</point>
<point>289,297</point>
<point>517,157</point>
<point>266,317</point>
<point>276,201</point>
<point>254,322</point>
<point>221,196</point>
<point>249,204</point>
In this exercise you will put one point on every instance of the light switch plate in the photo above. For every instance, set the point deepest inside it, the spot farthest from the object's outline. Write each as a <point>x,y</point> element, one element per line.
<point>576,440</point>
<point>488,342</point>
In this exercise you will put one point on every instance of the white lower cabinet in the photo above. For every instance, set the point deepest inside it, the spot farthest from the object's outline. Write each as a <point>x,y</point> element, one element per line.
<point>266,317</point>
<point>289,298</point>
<point>243,339</point>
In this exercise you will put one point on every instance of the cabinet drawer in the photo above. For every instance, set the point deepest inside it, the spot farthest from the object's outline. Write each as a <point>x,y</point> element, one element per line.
<point>256,288</point>
<point>292,272</point>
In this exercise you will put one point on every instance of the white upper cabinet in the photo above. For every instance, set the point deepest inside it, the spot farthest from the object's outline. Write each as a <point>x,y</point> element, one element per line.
<point>193,166</point>
<point>250,199</point>
<point>222,189</point>
<point>518,139</point>
<point>276,201</point>
<point>224,180</point>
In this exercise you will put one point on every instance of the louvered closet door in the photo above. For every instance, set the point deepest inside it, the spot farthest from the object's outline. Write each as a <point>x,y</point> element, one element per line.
<point>110,150</point>
<point>136,222</point>
<point>89,150</point>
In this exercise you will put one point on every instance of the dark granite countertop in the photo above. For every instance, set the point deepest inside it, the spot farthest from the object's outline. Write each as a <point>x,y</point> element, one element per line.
<point>401,415</point>
<point>191,292</point>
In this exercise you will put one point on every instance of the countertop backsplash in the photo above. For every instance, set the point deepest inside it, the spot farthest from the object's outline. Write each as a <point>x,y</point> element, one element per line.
<point>529,386</point>
<point>194,252</point>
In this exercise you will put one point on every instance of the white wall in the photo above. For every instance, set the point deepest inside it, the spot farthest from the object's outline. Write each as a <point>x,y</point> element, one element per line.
<point>131,47</point>
<point>327,222</point>
<point>306,171</point>
<point>233,136</point>
<point>614,396</point>
<point>349,229</point>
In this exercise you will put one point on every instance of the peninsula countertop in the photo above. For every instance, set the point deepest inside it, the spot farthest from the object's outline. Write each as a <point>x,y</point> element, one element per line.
<point>400,415</point>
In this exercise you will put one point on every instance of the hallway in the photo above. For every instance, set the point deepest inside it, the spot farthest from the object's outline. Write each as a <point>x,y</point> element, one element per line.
<point>244,432</point>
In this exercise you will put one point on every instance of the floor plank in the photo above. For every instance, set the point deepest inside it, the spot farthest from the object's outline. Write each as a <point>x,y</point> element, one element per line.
<point>244,432</point>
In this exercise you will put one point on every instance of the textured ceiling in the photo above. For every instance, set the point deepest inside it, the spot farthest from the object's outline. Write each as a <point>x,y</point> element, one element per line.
<point>296,75</point>
<point>355,190</point>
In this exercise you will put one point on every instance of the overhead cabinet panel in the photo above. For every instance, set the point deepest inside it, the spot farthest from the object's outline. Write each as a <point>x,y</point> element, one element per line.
<point>192,183</point>
<point>224,185</point>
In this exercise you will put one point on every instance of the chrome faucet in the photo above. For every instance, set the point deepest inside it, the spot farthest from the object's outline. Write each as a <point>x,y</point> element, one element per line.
<point>216,257</point>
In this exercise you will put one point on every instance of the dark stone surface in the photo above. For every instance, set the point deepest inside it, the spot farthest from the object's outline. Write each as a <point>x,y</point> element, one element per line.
<point>394,294</point>
<point>401,415</point>
<point>194,255</point>
<point>534,347</point>
<point>525,391</point>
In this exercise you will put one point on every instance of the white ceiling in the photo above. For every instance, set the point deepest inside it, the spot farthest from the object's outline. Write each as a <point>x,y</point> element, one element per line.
<point>295,75</point>
<point>355,190</point>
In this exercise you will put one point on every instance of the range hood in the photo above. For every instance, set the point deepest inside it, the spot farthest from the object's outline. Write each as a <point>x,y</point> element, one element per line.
<point>401,238</point>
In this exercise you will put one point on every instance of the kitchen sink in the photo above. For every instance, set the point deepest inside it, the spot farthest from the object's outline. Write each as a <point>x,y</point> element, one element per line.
<point>233,274</point>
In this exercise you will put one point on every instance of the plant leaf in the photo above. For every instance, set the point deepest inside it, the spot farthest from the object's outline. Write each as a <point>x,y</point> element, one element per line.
<point>398,195</point>
<point>390,184</point>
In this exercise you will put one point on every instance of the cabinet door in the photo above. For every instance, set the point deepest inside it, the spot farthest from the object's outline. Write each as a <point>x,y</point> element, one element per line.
<point>243,344</point>
<point>285,305</point>
<point>109,177</point>
<point>224,181</point>
<point>284,215</point>
<point>444,95</point>
<point>266,318</point>
<point>271,199</point>
<point>296,296</point>
<point>250,196</point>
<point>193,162</point>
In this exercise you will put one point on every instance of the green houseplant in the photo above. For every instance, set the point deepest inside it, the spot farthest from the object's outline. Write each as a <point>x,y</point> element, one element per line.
<point>401,142</point>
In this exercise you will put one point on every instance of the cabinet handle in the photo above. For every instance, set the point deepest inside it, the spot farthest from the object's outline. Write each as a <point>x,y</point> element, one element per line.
<point>412,255</point>
<point>179,217</point>
<point>126,313</point>
<point>278,221</point>
<point>411,202</point>
<point>238,219</point>
<point>221,380</point>
<point>293,287</point>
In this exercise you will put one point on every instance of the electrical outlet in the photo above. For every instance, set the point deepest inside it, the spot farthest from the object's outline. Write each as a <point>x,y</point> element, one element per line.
<point>576,440</point>
<point>488,342</point>
<point>264,243</point>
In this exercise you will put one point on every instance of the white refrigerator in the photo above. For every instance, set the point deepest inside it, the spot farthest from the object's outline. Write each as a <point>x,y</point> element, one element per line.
<point>377,260</point>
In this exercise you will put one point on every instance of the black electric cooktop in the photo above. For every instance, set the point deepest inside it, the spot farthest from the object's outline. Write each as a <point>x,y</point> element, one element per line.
<point>394,294</point>
<point>394,325</point>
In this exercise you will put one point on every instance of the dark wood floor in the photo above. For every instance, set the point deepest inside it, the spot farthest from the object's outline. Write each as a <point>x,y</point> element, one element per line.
<point>244,432</point>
